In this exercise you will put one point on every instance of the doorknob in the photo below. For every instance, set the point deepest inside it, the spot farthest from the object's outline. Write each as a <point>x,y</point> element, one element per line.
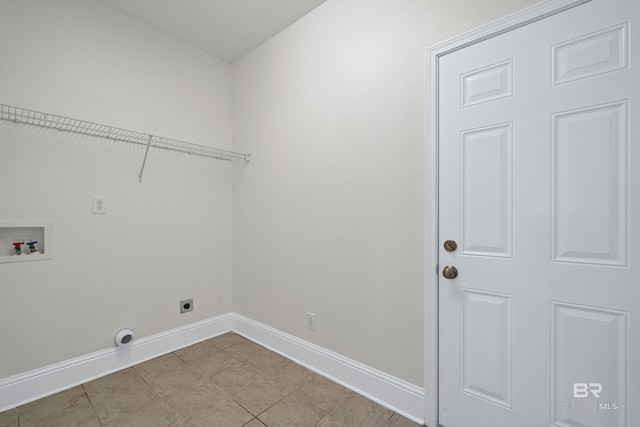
<point>450,272</point>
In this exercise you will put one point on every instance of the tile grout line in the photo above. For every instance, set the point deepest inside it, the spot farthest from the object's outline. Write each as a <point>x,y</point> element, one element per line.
<point>208,379</point>
<point>158,397</point>
<point>90,403</point>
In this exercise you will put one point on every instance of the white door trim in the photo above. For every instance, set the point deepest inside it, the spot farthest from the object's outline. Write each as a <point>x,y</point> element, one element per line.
<point>519,19</point>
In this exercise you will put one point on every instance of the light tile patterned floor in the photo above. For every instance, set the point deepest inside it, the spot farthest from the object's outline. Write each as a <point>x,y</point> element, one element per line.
<point>227,381</point>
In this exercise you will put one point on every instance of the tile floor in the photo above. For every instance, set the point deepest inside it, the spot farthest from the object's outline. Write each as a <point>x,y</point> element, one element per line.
<point>225,381</point>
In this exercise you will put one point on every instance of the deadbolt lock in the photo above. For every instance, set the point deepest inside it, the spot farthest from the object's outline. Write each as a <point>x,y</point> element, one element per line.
<point>450,245</point>
<point>449,272</point>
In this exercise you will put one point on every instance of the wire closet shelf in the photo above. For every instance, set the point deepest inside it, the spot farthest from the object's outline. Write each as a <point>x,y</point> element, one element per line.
<point>67,124</point>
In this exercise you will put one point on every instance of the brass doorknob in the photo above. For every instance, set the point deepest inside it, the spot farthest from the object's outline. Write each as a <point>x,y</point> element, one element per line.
<point>450,272</point>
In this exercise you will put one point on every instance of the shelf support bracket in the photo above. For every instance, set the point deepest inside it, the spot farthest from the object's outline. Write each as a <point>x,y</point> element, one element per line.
<point>144,161</point>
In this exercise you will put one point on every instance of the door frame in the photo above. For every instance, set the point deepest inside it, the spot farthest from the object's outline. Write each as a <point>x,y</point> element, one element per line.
<point>511,22</point>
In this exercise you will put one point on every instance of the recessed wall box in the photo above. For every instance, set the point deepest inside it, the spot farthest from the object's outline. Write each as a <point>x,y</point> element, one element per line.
<point>25,241</point>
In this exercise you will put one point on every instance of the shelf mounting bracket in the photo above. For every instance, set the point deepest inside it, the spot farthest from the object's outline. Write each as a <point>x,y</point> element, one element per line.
<point>144,161</point>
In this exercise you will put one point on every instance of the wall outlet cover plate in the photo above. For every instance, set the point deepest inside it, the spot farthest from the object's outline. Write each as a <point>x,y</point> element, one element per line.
<point>99,205</point>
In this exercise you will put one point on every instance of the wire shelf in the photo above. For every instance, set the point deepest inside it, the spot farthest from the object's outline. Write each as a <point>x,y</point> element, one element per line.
<point>67,124</point>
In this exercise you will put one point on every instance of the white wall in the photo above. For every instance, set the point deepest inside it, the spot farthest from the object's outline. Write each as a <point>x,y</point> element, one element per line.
<point>329,215</point>
<point>161,241</point>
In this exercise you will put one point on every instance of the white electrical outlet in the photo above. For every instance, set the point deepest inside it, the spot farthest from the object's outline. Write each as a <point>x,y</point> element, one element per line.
<point>99,205</point>
<point>311,321</point>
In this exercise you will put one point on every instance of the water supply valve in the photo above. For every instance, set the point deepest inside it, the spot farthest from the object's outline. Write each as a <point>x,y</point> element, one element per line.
<point>32,246</point>
<point>17,247</point>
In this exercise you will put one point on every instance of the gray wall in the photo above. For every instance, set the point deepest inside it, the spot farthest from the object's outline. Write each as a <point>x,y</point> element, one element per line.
<point>329,217</point>
<point>161,241</point>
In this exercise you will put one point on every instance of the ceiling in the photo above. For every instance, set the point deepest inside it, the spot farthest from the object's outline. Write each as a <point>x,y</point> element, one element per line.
<point>227,29</point>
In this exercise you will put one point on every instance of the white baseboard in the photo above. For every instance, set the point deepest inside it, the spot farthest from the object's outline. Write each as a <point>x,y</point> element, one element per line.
<point>29,386</point>
<point>400,396</point>
<point>393,393</point>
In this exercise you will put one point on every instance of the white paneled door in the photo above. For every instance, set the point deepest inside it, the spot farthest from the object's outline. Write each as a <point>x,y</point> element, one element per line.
<point>539,198</point>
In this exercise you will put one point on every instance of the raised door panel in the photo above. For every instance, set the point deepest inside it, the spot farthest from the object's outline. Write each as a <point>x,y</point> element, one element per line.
<point>487,175</point>
<point>487,346</point>
<point>590,185</point>
<point>589,366</point>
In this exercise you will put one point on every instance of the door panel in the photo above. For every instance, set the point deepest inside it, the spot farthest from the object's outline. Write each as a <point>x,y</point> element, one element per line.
<point>589,148</point>
<point>487,346</point>
<point>601,352</point>
<point>486,191</point>
<point>598,53</point>
<point>537,186</point>
<point>487,84</point>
